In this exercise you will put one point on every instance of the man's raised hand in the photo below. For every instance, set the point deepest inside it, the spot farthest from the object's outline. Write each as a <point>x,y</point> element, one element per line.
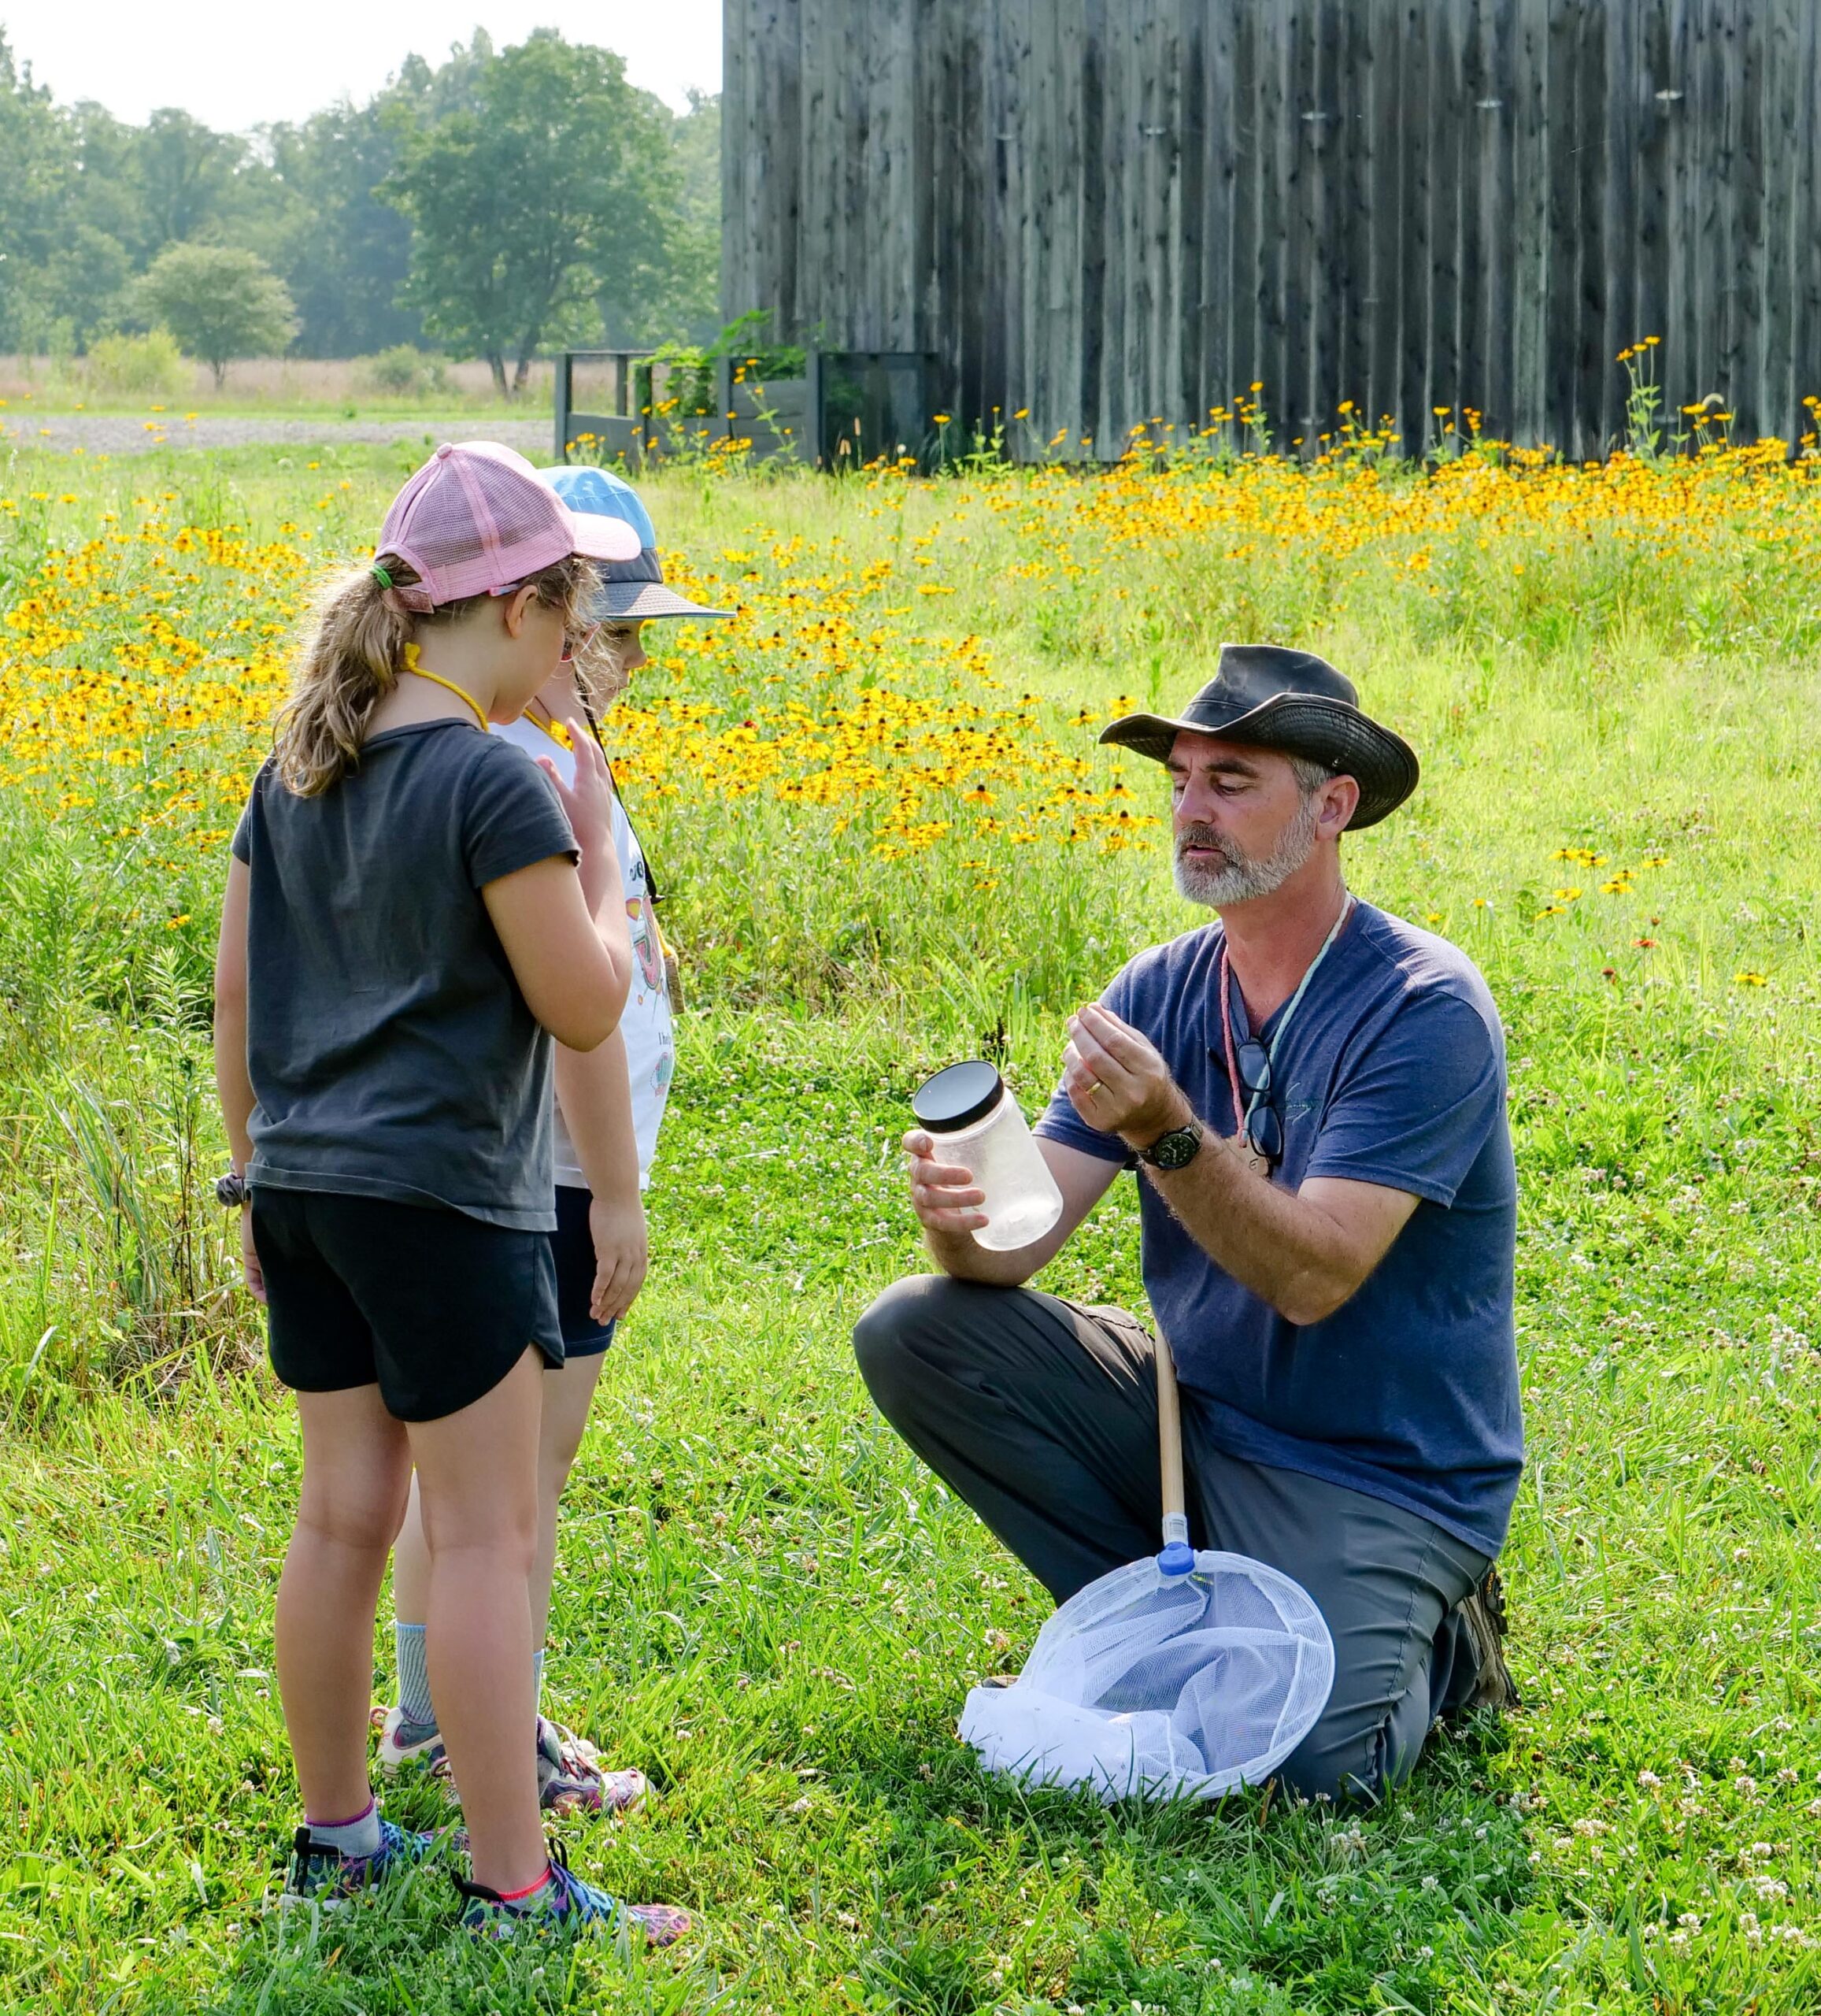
<point>943,1194</point>
<point>1117,1081</point>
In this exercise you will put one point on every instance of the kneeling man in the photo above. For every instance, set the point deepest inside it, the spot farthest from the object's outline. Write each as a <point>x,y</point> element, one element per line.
<point>1313,1094</point>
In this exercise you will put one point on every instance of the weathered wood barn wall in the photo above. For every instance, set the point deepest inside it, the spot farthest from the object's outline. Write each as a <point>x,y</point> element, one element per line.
<point>1104,211</point>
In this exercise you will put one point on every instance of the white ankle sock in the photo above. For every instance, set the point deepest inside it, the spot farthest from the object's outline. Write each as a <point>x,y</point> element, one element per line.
<point>355,1837</point>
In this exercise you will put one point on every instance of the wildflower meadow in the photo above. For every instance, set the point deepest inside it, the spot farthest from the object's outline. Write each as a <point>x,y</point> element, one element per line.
<point>886,837</point>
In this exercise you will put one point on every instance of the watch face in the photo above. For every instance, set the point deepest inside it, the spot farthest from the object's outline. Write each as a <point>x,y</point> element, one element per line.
<point>1175,1149</point>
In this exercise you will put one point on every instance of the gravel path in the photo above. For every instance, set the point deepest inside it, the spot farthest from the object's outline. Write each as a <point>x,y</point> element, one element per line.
<point>120,434</point>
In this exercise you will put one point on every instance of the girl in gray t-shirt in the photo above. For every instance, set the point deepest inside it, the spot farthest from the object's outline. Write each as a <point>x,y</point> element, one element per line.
<point>414,910</point>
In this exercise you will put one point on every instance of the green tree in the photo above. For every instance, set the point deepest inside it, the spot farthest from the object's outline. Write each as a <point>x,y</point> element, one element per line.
<point>344,252</point>
<point>85,281</point>
<point>685,289</point>
<point>106,193</point>
<point>561,173</point>
<point>185,173</point>
<point>550,200</point>
<point>426,91</point>
<point>39,167</point>
<point>220,302</point>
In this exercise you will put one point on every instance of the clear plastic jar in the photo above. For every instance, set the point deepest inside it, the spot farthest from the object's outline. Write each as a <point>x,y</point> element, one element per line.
<point>976,1125</point>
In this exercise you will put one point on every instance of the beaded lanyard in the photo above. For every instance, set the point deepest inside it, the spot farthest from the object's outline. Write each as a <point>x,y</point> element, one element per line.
<point>1242,1112</point>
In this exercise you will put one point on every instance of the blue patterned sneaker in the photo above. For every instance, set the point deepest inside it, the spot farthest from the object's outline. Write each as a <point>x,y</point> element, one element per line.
<point>565,1905</point>
<point>319,1874</point>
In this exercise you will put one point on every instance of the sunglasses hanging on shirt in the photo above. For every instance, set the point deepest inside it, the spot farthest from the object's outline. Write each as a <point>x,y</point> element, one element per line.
<point>1263,1123</point>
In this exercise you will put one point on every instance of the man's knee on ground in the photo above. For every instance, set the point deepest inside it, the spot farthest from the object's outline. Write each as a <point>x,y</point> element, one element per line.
<point>1346,1761</point>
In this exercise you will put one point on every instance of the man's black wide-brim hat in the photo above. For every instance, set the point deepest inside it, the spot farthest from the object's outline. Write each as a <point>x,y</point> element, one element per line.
<point>1269,697</point>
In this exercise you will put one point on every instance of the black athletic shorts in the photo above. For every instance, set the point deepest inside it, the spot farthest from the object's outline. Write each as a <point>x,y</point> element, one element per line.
<point>436,1306</point>
<point>572,1248</point>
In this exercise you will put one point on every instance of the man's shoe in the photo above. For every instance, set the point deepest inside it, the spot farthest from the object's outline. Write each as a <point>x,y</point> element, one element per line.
<point>1483,1613</point>
<point>319,1875</point>
<point>565,1905</point>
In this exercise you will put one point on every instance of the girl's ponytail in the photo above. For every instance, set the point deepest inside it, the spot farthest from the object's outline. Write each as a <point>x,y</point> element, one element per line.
<point>349,660</point>
<point>354,649</point>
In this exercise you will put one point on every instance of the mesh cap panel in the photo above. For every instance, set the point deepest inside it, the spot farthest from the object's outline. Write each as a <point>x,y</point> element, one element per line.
<point>478,518</point>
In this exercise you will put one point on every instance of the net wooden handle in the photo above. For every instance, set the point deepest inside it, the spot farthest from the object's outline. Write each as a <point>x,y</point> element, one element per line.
<point>1169,1433</point>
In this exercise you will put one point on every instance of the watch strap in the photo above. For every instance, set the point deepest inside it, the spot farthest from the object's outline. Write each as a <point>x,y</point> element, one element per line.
<point>1191,1133</point>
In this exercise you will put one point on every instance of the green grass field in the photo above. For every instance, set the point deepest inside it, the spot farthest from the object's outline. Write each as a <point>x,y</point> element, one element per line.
<point>761,1598</point>
<point>323,388</point>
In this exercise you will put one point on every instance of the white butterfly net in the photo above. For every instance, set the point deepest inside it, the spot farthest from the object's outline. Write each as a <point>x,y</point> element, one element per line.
<point>1162,1686</point>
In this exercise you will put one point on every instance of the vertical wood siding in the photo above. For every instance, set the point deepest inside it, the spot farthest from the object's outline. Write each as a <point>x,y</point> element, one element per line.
<point>1111,211</point>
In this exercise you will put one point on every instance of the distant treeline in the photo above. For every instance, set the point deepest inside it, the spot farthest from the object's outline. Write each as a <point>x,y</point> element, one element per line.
<point>500,202</point>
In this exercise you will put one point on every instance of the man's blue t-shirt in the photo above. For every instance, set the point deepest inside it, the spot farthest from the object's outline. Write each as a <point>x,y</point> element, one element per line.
<point>1392,1071</point>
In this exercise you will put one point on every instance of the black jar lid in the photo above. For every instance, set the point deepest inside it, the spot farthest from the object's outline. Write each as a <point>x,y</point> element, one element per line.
<point>957,1097</point>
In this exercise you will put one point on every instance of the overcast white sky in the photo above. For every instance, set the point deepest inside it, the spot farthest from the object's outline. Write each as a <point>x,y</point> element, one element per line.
<point>236,65</point>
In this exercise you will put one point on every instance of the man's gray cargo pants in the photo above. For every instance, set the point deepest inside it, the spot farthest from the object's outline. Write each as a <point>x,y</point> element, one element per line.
<point>1042,1415</point>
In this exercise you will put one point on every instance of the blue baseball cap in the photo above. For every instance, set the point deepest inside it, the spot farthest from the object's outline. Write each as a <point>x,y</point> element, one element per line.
<point>631,591</point>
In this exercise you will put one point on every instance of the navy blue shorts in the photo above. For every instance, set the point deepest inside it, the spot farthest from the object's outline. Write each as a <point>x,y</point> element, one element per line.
<point>433,1306</point>
<point>572,1248</point>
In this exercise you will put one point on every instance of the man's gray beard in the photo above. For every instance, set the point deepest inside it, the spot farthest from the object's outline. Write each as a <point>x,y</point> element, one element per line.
<point>1239,880</point>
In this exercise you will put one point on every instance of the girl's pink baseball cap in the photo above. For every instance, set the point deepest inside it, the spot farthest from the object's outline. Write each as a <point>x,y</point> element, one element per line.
<point>477,519</point>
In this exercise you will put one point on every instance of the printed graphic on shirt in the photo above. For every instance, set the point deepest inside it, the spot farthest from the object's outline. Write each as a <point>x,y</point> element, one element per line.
<point>641,922</point>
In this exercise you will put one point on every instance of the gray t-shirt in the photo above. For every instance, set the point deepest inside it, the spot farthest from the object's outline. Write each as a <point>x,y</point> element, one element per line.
<point>390,1050</point>
<point>1391,1071</point>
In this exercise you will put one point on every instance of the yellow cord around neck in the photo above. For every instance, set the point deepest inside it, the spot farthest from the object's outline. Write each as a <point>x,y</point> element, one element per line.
<point>547,725</point>
<point>419,670</point>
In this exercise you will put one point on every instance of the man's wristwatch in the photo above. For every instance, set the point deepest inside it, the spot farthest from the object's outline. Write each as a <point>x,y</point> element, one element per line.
<point>1175,1150</point>
<point>231,1190</point>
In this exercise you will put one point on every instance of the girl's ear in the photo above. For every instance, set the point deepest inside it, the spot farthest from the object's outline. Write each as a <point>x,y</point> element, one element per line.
<point>514,611</point>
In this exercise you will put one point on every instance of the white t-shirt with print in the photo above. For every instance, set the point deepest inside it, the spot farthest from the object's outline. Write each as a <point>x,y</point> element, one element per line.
<point>646,1024</point>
